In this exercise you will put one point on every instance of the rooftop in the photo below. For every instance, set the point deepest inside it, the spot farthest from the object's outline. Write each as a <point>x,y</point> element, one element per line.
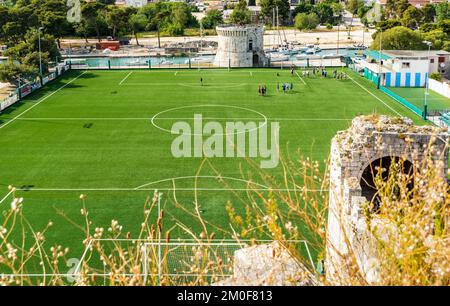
<point>414,53</point>
<point>390,54</point>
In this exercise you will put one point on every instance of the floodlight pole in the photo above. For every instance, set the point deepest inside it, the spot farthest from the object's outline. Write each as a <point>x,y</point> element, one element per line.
<point>379,59</point>
<point>427,82</point>
<point>337,49</point>
<point>40,53</point>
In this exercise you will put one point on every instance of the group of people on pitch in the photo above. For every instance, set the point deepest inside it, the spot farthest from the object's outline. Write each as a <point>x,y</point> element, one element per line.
<point>262,90</point>
<point>323,71</point>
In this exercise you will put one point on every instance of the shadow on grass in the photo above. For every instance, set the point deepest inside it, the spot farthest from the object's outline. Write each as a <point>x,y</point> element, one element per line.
<point>46,90</point>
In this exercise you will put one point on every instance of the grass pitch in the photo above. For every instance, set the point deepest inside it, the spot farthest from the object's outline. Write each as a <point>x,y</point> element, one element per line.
<point>416,96</point>
<point>92,133</point>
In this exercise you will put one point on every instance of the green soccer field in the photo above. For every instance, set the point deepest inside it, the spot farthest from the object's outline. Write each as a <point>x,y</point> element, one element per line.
<point>416,96</point>
<point>106,134</point>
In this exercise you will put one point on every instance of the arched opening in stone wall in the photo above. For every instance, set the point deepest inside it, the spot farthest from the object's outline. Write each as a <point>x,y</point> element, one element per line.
<point>383,169</point>
<point>255,60</point>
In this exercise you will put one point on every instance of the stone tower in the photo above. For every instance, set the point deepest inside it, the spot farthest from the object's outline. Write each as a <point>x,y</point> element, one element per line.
<point>368,143</point>
<point>240,46</point>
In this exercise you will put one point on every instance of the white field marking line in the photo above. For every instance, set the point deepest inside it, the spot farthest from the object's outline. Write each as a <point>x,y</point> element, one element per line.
<point>6,196</point>
<point>202,177</point>
<point>251,73</point>
<point>204,106</point>
<point>373,95</point>
<point>180,118</point>
<point>77,269</point>
<point>207,86</point>
<point>126,77</point>
<point>39,102</point>
<point>196,85</point>
<point>193,85</point>
<point>166,189</point>
<point>303,81</point>
<point>175,74</point>
<point>255,119</point>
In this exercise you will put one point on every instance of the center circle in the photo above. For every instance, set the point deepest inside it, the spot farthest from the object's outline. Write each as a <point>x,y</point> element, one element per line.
<point>155,117</point>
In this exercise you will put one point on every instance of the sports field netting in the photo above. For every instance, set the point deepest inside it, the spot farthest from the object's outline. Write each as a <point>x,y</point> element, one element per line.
<point>416,96</point>
<point>106,134</point>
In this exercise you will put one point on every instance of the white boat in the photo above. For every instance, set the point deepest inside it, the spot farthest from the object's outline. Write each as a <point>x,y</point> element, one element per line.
<point>279,57</point>
<point>312,50</point>
<point>165,62</point>
<point>302,56</point>
<point>300,49</point>
<point>331,55</point>
<point>138,61</point>
<point>356,47</point>
<point>199,60</point>
<point>283,50</point>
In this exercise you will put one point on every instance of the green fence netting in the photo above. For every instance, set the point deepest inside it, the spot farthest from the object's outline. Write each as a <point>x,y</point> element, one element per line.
<point>402,100</point>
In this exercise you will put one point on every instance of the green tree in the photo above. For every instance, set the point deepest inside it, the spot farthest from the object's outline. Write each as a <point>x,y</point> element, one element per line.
<point>399,38</point>
<point>325,13</point>
<point>412,17</point>
<point>303,7</point>
<point>27,51</point>
<point>338,11</point>
<point>20,19</point>
<point>395,8</point>
<point>268,7</point>
<point>91,11</point>
<point>241,14</point>
<point>444,25</point>
<point>437,37</point>
<point>12,71</point>
<point>436,76</point>
<point>388,24</point>
<point>82,29</point>
<point>442,11</point>
<point>353,6</point>
<point>52,16</point>
<point>4,17</point>
<point>305,21</point>
<point>107,2</point>
<point>428,12</point>
<point>137,23</point>
<point>118,19</point>
<point>212,19</point>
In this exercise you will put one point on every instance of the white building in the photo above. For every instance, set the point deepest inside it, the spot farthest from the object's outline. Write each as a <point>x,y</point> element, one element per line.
<point>405,68</point>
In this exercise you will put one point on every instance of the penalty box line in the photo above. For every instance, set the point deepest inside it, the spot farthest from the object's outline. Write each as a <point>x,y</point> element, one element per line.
<point>301,79</point>
<point>179,118</point>
<point>125,78</point>
<point>163,189</point>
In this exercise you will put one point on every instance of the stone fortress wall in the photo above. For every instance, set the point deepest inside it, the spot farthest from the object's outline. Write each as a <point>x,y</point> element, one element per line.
<point>240,46</point>
<point>370,143</point>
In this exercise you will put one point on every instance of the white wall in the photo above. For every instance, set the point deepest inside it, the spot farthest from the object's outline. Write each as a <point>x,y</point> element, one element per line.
<point>415,66</point>
<point>440,88</point>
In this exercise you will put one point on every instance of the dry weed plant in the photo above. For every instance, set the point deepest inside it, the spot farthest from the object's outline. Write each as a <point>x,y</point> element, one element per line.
<point>414,251</point>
